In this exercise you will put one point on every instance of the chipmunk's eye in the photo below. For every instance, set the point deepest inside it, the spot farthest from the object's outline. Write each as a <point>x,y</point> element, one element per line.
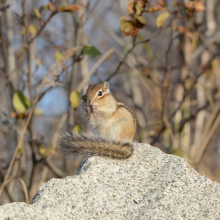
<point>100,93</point>
<point>85,96</point>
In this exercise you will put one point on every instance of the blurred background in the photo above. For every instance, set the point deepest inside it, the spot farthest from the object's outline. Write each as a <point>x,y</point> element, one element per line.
<point>161,58</point>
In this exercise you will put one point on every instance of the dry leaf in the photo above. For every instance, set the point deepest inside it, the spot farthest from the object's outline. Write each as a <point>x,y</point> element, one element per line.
<point>130,7</point>
<point>69,8</point>
<point>18,115</point>
<point>74,99</point>
<point>161,3</point>
<point>42,151</point>
<point>200,7</point>
<point>51,6</point>
<point>176,3</point>
<point>23,31</point>
<point>38,111</point>
<point>77,129</point>
<point>37,13</point>
<point>130,28</point>
<point>195,6</point>
<point>155,8</point>
<point>136,6</point>
<point>139,22</point>
<point>32,29</point>
<point>38,63</point>
<point>58,55</point>
<point>126,27</point>
<point>143,3</point>
<point>13,114</point>
<point>161,19</point>
<point>20,102</point>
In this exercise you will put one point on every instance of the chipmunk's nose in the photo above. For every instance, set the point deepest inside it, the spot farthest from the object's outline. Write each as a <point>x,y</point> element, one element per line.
<point>91,103</point>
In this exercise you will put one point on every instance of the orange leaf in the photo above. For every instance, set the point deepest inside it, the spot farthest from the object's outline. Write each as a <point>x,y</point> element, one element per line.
<point>154,8</point>
<point>13,115</point>
<point>190,5</point>
<point>197,6</point>
<point>130,7</point>
<point>136,6</point>
<point>200,7</point>
<point>69,8</point>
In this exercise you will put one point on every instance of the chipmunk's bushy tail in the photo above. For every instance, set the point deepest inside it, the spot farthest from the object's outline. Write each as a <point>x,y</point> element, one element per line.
<point>81,144</point>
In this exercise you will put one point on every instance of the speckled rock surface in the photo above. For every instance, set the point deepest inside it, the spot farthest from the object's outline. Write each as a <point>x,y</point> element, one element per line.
<point>149,185</point>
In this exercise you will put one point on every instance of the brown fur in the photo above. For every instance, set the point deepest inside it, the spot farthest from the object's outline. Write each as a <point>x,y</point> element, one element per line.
<point>83,145</point>
<point>132,130</point>
<point>112,121</point>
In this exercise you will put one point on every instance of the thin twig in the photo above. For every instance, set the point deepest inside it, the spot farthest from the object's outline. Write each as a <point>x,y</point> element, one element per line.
<point>120,63</point>
<point>187,93</point>
<point>10,179</point>
<point>53,167</point>
<point>192,116</point>
<point>94,68</point>
<point>154,35</point>
<point>19,143</point>
<point>25,190</point>
<point>207,135</point>
<point>6,188</point>
<point>42,27</point>
<point>132,48</point>
<point>165,84</point>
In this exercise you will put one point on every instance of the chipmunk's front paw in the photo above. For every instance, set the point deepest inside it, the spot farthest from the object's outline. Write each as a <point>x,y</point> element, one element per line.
<point>88,110</point>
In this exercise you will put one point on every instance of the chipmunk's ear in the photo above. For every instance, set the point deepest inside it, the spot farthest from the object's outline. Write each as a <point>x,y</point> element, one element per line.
<point>106,86</point>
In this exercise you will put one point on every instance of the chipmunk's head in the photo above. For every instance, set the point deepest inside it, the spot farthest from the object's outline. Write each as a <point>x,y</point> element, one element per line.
<point>98,98</point>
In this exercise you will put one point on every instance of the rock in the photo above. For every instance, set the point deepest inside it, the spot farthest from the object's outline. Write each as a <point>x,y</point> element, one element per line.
<point>148,185</point>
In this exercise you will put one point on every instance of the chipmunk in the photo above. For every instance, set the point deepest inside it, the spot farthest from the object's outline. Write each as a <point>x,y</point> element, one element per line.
<point>114,126</point>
